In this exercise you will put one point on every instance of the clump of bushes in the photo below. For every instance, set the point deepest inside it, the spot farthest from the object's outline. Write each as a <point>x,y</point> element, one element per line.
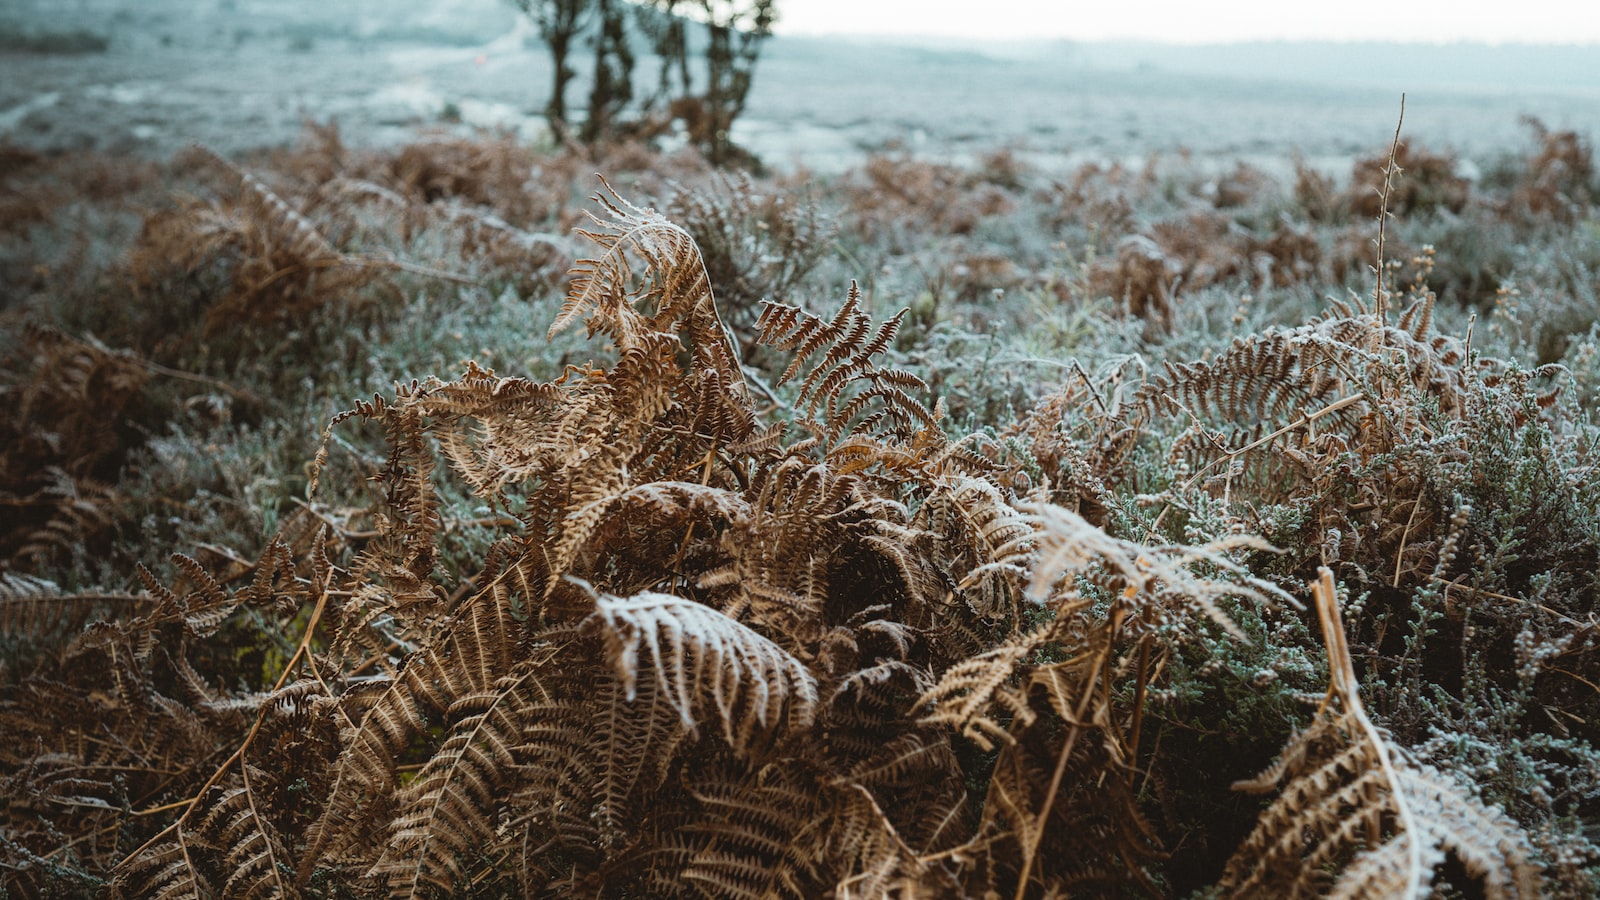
<point>18,38</point>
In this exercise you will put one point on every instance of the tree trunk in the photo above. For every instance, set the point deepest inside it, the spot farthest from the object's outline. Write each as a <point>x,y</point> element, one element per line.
<point>555,112</point>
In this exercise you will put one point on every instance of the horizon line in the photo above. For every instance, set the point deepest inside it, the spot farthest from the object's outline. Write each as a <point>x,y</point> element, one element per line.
<point>1585,44</point>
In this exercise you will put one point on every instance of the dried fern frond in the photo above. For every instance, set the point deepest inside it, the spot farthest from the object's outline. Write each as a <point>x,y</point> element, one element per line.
<point>747,838</point>
<point>673,284</point>
<point>1262,378</point>
<point>255,855</point>
<point>169,871</point>
<point>277,262</point>
<point>1154,583</point>
<point>1272,416</point>
<point>458,677</point>
<point>35,609</point>
<point>756,244</point>
<point>448,813</point>
<point>646,532</point>
<point>67,433</point>
<point>969,692</point>
<point>997,542</point>
<point>1069,545</point>
<point>284,224</point>
<point>1346,786</point>
<point>273,261</point>
<point>705,662</point>
<point>838,390</point>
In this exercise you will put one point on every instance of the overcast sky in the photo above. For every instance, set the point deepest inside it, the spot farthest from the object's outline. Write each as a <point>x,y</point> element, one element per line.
<point>1194,21</point>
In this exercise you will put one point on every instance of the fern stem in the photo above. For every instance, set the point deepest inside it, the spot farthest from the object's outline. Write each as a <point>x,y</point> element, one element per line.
<point>1378,293</point>
<point>1141,684</point>
<point>1342,683</point>
<point>1032,850</point>
<point>1405,535</point>
<point>1044,812</point>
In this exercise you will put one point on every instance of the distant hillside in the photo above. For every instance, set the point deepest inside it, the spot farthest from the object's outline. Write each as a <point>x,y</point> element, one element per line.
<point>1422,65</point>
<point>1473,67</point>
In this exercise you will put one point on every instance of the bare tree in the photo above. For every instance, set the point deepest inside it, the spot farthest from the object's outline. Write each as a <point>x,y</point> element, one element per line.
<point>559,22</point>
<point>708,105</point>
<point>612,88</point>
<point>668,32</point>
<point>737,29</point>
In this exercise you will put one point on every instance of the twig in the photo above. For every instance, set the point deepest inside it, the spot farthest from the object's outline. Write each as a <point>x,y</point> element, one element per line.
<point>1342,683</point>
<point>1405,535</point>
<point>1093,392</point>
<point>1389,172</point>
<point>237,393</point>
<point>1301,422</point>
<point>1449,583</point>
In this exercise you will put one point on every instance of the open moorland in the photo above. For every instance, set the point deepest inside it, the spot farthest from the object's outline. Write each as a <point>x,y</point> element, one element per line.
<point>1101,493</point>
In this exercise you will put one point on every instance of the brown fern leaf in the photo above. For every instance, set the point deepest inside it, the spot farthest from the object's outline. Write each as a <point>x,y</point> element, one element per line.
<point>520,429</point>
<point>875,859</point>
<point>1161,573</point>
<point>635,740</point>
<point>745,838</point>
<point>870,724</point>
<point>756,244</point>
<point>114,676</point>
<point>672,281</point>
<point>705,662</point>
<point>498,452</point>
<point>1273,415</point>
<point>651,536</point>
<point>169,871</point>
<point>67,513</point>
<point>914,781</point>
<point>1490,846</point>
<point>1258,379</point>
<point>468,660</point>
<point>206,604</point>
<point>846,382</point>
<point>992,542</point>
<point>395,570</point>
<point>1080,439</point>
<point>364,773</point>
<point>255,856</point>
<point>968,692</point>
<point>1345,786</point>
<point>1047,801</point>
<point>36,610</point>
<point>284,223</point>
<point>590,756</point>
<point>718,413</point>
<point>277,263</point>
<point>560,791</point>
<point>1088,837</point>
<point>783,558</point>
<point>66,435</point>
<point>447,814</point>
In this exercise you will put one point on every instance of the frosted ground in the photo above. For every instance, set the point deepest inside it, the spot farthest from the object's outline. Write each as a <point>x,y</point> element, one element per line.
<point>239,75</point>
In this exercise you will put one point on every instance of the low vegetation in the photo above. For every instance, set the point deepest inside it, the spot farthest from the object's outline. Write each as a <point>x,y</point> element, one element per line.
<point>927,530</point>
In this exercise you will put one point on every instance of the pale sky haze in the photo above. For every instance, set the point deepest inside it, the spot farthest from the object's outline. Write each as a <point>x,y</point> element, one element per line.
<point>1197,21</point>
